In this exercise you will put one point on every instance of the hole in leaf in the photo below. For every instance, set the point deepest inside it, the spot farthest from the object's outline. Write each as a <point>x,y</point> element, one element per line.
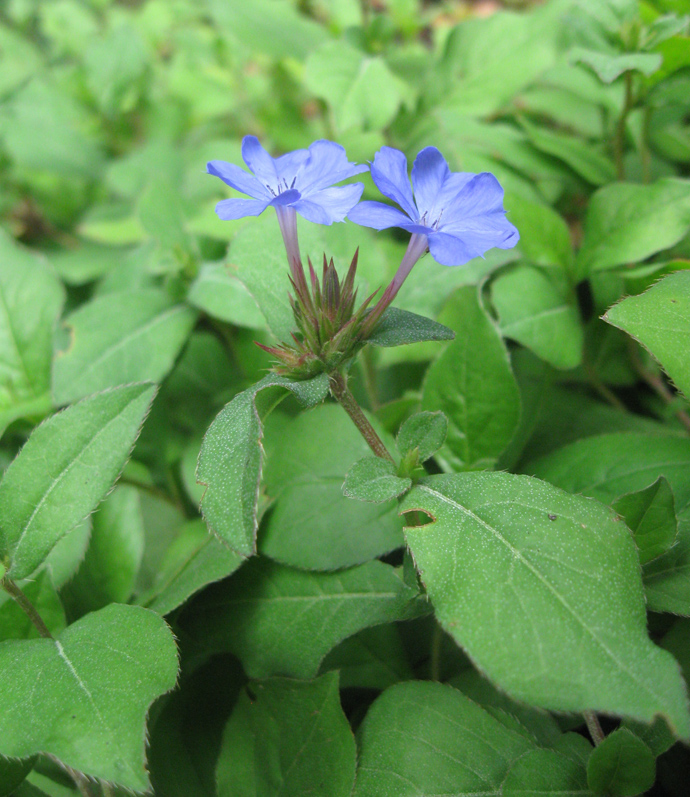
<point>418,517</point>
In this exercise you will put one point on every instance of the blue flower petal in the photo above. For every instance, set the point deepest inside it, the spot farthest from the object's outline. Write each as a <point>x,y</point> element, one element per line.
<point>286,198</point>
<point>377,215</point>
<point>449,250</point>
<point>333,203</point>
<point>239,179</point>
<point>327,164</point>
<point>230,209</point>
<point>429,172</point>
<point>259,161</point>
<point>389,172</point>
<point>481,196</point>
<point>288,165</point>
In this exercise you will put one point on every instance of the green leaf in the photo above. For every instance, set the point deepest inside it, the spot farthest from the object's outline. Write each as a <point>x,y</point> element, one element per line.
<point>360,89</point>
<point>609,66</point>
<point>519,571</point>
<point>375,480</point>
<point>195,558</point>
<point>312,525</point>
<point>539,724</point>
<point>622,765</point>
<point>544,235</point>
<point>534,313</point>
<point>231,458</point>
<point>68,464</point>
<point>485,63</point>
<point>660,320</point>
<point>582,158</point>
<point>667,578</point>
<point>424,431</point>
<point>607,466</point>
<point>14,622</point>
<point>627,223</point>
<point>13,773</point>
<point>372,659</point>
<point>273,27</point>
<point>89,716</point>
<point>31,299</point>
<point>281,621</point>
<point>290,738</point>
<point>110,567</point>
<point>128,336</point>
<point>651,516</point>
<point>546,772</point>
<point>427,738</point>
<point>400,327</point>
<point>218,292</point>
<point>472,384</point>
<point>115,64</point>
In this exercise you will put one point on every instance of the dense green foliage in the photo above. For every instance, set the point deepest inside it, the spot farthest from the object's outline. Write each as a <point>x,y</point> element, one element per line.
<point>252,615</point>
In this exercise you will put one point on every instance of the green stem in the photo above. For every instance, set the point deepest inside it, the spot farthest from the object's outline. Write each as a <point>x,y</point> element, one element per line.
<point>26,606</point>
<point>644,146</point>
<point>604,391</point>
<point>593,727</point>
<point>347,401</point>
<point>619,137</point>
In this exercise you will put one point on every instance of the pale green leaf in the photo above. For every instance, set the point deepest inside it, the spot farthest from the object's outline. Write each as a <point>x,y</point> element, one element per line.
<point>218,292</point>
<point>231,458</point>
<point>89,716</point>
<point>128,336</point>
<point>519,571</point>
<point>31,298</point>
<point>360,89</point>
<point>424,431</point>
<point>290,738</point>
<point>473,385</point>
<point>627,223</point>
<point>660,320</point>
<point>68,464</point>
<point>533,312</point>
<point>609,66</point>
<point>374,480</point>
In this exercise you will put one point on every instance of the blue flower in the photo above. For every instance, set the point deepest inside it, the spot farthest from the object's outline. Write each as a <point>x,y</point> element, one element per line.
<point>301,180</point>
<point>457,215</point>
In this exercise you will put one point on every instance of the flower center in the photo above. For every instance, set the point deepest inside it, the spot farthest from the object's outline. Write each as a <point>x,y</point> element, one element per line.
<point>433,224</point>
<point>282,186</point>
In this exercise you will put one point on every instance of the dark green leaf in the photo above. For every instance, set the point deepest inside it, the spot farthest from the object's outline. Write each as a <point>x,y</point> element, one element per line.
<point>372,659</point>
<point>112,561</point>
<point>650,515</point>
<point>290,738</point>
<point>622,765</point>
<point>374,480</point>
<point>400,327</point>
<point>195,558</point>
<point>427,738</point>
<point>546,772</point>
<point>68,464</point>
<point>667,578</point>
<point>231,458</point>
<point>90,716</point>
<point>281,621</point>
<point>472,384</point>
<point>425,431</point>
<point>519,571</point>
